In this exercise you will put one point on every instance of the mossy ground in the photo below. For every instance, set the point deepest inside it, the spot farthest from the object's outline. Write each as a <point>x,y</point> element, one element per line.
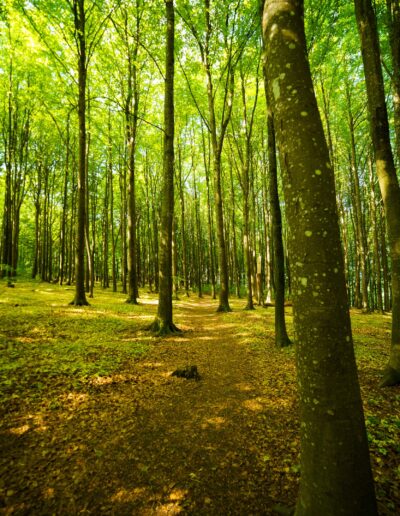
<point>93,423</point>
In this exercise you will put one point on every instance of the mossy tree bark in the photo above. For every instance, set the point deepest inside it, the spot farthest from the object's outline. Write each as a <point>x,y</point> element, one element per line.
<point>393,12</point>
<point>335,470</point>
<point>388,181</point>
<point>80,37</point>
<point>164,322</point>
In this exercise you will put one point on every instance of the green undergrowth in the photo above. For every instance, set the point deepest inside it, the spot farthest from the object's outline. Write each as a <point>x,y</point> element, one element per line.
<point>45,341</point>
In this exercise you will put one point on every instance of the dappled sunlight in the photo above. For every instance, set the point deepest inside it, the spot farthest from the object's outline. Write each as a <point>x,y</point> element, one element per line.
<point>129,495</point>
<point>20,430</point>
<point>48,493</point>
<point>153,365</point>
<point>110,380</point>
<point>74,400</point>
<point>278,403</point>
<point>214,422</point>
<point>244,387</point>
<point>253,405</point>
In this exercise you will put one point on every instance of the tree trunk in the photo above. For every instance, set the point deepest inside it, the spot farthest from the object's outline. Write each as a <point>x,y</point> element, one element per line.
<point>80,19</point>
<point>385,169</point>
<point>336,475</point>
<point>281,336</point>
<point>164,322</point>
<point>393,11</point>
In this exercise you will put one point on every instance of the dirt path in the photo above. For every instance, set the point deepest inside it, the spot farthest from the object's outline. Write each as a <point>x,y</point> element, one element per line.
<point>144,442</point>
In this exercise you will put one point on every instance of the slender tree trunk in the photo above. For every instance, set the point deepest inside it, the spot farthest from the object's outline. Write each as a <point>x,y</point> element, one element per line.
<point>209,216</point>
<point>183,223</point>
<point>64,215</point>
<point>375,237</point>
<point>361,237</point>
<point>385,169</point>
<point>336,475</point>
<point>80,19</point>
<point>281,336</point>
<point>236,266</point>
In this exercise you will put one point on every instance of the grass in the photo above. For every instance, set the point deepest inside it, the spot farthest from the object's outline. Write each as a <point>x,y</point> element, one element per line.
<point>42,337</point>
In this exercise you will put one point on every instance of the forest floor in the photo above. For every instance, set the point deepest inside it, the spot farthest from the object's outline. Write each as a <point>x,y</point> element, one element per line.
<point>92,422</point>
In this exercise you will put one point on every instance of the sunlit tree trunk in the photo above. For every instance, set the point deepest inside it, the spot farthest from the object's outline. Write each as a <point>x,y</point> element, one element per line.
<point>336,476</point>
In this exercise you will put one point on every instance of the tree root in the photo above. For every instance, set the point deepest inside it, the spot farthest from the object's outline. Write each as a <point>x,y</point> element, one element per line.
<point>224,308</point>
<point>162,329</point>
<point>390,377</point>
<point>132,301</point>
<point>79,302</point>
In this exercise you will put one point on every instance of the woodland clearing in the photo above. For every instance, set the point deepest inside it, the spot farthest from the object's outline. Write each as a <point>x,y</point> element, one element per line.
<point>92,422</point>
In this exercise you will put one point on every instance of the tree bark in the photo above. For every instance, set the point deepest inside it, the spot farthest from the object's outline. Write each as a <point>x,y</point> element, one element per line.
<point>385,169</point>
<point>164,322</point>
<point>80,19</point>
<point>336,476</point>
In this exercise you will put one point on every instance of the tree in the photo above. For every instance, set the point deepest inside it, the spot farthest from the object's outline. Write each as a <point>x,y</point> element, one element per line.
<point>388,181</point>
<point>335,470</point>
<point>281,336</point>
<point>78,8</point>
<point>164,322</point>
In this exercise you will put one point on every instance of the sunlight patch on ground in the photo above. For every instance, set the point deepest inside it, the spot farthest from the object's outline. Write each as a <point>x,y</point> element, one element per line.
<point>128,495</point>
<point>75,399</point>
<point>216,422</point>
<point>253,405</point>
<point>19,430</point>
<point>278,403</point>
<point>166,508</point>
<point>107,380</point>
<point>178,494</point>
<point>244,387</point>
<point>38,421</point>
<point>48,493</point>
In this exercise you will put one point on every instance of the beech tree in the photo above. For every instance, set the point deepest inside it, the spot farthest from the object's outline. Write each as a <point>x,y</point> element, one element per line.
<point>335,470</point>
<point>164,322</point>
<point>385,169</point>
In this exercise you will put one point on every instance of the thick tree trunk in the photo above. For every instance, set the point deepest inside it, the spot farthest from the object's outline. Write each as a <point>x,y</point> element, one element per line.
<point>385,169</point>
<point>164,322</point>
<point>336,476</point>
<point>393,11</point>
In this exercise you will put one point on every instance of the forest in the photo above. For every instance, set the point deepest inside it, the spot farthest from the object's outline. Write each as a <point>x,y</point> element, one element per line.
<point>200,257</point>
